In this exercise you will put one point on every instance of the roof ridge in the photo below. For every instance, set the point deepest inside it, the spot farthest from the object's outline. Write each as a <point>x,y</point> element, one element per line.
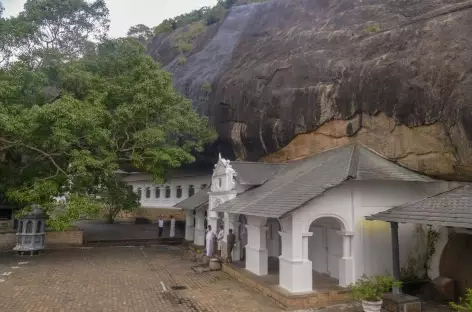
<point>427,197</point>
<point>353,163</point>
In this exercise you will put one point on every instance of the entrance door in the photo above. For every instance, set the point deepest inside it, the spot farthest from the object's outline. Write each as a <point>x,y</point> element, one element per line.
<point>319,250</point>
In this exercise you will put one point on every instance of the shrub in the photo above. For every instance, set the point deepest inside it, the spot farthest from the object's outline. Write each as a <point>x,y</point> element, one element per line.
<point>372,28</point>
<point>465,304</point>
<point>182,60</point>
<point>373,288</point>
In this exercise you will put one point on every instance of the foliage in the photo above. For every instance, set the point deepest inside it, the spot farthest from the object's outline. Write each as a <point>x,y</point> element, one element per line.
<point>206,87</point>
<point>431,240</point>
<point>116,197</point>
<point>372,28</point>
<point>182,60</point>
<point>142,33</point>
<point>69,120</point>
<point>46,29</point>
<point>184,40</point>
<point>465,304</point>
<point>372,289</point>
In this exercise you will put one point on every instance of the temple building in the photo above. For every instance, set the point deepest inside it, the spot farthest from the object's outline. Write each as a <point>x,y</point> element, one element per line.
<point>159,199</point>
<point>304,221</point>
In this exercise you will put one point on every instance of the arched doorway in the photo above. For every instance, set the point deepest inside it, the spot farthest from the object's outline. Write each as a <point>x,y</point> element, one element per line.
<point>325,247</point>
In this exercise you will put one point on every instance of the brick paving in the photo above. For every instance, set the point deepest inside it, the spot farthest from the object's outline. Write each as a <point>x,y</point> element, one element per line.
<point>119,279</point>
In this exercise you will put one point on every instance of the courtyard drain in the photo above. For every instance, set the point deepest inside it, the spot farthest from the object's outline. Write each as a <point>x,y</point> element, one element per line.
<point>178,287</point>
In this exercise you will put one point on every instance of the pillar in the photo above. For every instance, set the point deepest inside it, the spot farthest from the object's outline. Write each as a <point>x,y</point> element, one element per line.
<point>296,270</point>
<point>189,226</point>
<point>199,237</point>
<point>346,263</point>
<point>256,249</point>
<point>395,255</point>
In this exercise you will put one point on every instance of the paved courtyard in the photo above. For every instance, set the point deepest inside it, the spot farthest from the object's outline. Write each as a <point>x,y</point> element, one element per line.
<point>119,279</point>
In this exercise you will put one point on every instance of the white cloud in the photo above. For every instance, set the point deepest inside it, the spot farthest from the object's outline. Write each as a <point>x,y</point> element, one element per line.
<point>126,13</point>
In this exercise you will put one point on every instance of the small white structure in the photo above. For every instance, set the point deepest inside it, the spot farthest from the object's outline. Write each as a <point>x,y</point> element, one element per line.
<point>309,215</point>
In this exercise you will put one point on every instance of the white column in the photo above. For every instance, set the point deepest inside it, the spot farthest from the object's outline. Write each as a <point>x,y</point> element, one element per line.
<point>189,226</point>
<point>346,263</point>
<point>256,249</point>
<point>199,237</point>
<point>296,270</point>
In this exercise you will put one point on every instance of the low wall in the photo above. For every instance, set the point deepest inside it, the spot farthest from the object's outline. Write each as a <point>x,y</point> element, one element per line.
<point>154,213</point>
<point>73,237</point>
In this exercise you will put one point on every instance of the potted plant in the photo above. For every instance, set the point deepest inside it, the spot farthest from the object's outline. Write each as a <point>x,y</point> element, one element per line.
<point>370,291</point>
<point>465,304</point>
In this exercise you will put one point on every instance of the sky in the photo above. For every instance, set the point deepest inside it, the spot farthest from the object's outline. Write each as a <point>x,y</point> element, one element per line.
<point>127,13</point>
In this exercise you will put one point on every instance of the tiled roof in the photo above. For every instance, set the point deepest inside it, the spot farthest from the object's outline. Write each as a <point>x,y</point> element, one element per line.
<point>300,181</point>
<point>450,208</point>
<point>254,173</point>
<point>198,199</point>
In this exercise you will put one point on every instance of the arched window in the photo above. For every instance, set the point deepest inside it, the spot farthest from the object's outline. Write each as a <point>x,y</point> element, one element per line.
<point>140,192</point>
<point>20,227</point>
<point>219,182</point>
<point>179,191</point>
<point>203,186</point>
<point>167,191</point>
<point>158,192</point>
<point>38,226</point>
<point>148,192</point>
<point>191,190</point>
<point>29,227</point>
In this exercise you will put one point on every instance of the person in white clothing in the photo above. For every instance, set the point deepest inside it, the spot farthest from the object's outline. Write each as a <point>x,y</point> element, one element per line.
<point>172,227</point>
<point>220,236</point>
<point>210,236</point>
<point>160,224</point>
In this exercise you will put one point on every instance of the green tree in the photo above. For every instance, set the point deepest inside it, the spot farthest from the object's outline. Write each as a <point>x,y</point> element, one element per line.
<point>71,120</point>
<point>46,29</point>
<point>116,196</point>
<point>142,33</point>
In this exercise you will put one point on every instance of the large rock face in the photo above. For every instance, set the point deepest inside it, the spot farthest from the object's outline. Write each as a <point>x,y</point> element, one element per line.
<point>290,78</point>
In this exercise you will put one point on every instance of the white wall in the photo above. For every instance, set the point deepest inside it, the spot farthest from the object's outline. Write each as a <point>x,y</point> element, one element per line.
<point>144,181</point>
<point>350,203</point>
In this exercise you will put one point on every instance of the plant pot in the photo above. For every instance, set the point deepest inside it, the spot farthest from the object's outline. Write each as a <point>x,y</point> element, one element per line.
<point>371,306</point>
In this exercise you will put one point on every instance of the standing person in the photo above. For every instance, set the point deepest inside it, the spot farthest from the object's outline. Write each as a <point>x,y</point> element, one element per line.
<point>172,227</point>
<point>219,238</point>
<point>210,236</point>
<point>160,224</point>
<point>230,240</point>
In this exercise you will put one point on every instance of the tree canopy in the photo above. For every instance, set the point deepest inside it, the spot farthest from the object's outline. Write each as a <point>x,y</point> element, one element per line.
<point>75,107</point>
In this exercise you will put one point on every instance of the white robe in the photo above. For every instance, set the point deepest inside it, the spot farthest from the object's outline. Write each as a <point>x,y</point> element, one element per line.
<point>172,228</point>
<point>220,236</point>
<point>209,243</point>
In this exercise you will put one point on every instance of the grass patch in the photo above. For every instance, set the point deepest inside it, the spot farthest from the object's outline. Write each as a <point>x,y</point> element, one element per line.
<point>182,60</point>
<point>372,28</point>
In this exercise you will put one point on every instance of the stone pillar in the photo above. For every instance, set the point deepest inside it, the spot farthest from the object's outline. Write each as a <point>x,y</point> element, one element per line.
<point>199,238</point>
<point>346,263</point>
<point>189,226</point>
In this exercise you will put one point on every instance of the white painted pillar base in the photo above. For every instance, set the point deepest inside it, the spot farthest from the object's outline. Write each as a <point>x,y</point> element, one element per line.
<point>346,272</point>
<point>189,226</point>
<point>199,238</point>
<point>257,255</point>
<point>189,233</point>
<point>346,263</point>
<point>257,260</point>
<point>296,276</point>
